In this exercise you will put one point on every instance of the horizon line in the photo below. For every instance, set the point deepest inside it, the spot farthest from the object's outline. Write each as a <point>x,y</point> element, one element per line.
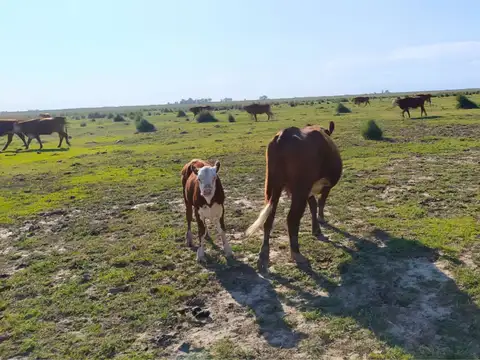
<point>390,93</point>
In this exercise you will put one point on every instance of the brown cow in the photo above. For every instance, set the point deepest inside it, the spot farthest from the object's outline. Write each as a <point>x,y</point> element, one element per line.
<point>426,97</point>
<point>410,103</point>
<point>6,128</point>
<point>202,190</point>
<point>43,126</point>
<point>197,109</point>
<point>305,162</point>
<point>361,99</point>
<point>255,109</point>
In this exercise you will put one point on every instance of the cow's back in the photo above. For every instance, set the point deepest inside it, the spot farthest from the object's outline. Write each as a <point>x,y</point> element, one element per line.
<point>309,153</point>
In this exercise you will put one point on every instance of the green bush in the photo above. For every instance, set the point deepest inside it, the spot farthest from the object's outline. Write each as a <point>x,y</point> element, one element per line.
<point>465,103</point>
<point>342,109</point>
<point>181,113</point>
<point>83,124</point>
<point>371,131</point>
<point>231,118</point>
<point>143,125</point>
<point>206,116</point>
<point>118,118</point>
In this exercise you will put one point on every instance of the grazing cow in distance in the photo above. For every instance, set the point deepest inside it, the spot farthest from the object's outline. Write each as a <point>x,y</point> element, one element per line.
<point>43,126</point>
<point>361,99</point>
<point>426,97</point>
<point>305,162</point>
<point>410,103</point>
<point>203,191</point>
<point>255,109</point>
<point>6,128</point>
<point>197,109</point>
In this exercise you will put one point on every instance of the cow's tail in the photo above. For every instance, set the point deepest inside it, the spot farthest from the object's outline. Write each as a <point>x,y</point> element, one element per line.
<point>269,181</point>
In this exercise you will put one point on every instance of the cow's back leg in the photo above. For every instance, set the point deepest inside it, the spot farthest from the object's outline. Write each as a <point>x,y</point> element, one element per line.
<point>255,116</point>
<point>264,255</point>
<point>37,137</point>
<point>201,236</point>
<point>9,140</point>
<point>22,137</point>
<point>312,203</point>
<point>321,204</point>
<point>297,208</point>
<point>61,139</point>
<point>222,232</point>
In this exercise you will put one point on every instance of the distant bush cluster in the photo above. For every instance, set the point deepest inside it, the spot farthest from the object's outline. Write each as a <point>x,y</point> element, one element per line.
<point>205,117</point>
<point>342,109</point>
<point>371,131</point>
<point>143,125</point>
<point>465,103</point>
<point>118,118</point>
<point>231,118</point>
<point>181,113</point>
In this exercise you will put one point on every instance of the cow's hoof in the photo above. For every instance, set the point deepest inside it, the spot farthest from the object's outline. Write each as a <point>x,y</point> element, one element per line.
<point>262,263</point>
<point>299,258</point>
<point>228,252</point>
<point>321,220</point>
<point>188,239</point>
<point>201,255</point>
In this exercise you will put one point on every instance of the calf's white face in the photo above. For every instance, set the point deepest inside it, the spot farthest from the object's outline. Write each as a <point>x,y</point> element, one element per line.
<point>207,177</point>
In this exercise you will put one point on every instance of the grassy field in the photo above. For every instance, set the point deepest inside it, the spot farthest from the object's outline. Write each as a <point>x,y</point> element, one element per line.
<point>93,262</point>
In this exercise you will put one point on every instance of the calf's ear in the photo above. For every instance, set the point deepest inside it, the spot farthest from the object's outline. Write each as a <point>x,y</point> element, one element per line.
<point>194,169</point>
<point>217,166</point>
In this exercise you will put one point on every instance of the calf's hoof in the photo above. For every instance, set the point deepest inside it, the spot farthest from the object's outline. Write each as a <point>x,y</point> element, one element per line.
<point>188,239</point>
<point>201,255</point>
<point>299,258</point>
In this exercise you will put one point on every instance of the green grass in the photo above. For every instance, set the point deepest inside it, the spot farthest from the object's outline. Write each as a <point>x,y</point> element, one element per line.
<point>102,280</point>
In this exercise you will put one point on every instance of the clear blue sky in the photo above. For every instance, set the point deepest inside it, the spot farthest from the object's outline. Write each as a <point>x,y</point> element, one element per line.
<point>85,53</point>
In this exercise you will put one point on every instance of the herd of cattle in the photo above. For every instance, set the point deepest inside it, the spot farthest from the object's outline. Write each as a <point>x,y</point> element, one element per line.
<point>46,124</point>
<point>303,162</point>
<point>33,128</point>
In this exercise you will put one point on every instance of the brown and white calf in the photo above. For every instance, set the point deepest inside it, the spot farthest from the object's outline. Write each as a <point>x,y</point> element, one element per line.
<point>204,196</point>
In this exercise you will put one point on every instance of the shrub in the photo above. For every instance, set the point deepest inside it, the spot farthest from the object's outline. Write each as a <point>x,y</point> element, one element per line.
<point>465,103</point>
<point>371,131</point>
<point>342,109</point>
<point>181,113</point>
<point>293,104</point>
<point>118,118</point>
<point>143,125</point>
<point>231,118</point>
<point>111,116</point>
<point>206,116</point>
<point>83,124</point>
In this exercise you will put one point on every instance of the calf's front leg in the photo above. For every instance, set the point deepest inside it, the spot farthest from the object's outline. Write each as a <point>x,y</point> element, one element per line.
<point>201,235</point>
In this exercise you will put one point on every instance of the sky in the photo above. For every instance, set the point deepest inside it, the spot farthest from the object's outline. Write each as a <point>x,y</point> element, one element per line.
<point>58,54</point>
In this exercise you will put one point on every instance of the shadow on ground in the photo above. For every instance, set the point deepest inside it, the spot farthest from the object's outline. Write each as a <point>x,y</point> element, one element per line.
<point>391,286</point>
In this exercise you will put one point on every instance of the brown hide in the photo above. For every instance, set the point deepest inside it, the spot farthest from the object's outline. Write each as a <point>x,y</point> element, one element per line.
<point>304,162</point>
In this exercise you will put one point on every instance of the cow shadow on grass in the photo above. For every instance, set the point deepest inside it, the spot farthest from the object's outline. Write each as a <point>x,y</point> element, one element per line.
<point>256,293</point>
<point>393,287</point>
<point>430,117</point>
<point>21,150</point>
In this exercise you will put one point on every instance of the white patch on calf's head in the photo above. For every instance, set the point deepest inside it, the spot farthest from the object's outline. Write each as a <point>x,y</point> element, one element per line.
<point>207,177</point>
